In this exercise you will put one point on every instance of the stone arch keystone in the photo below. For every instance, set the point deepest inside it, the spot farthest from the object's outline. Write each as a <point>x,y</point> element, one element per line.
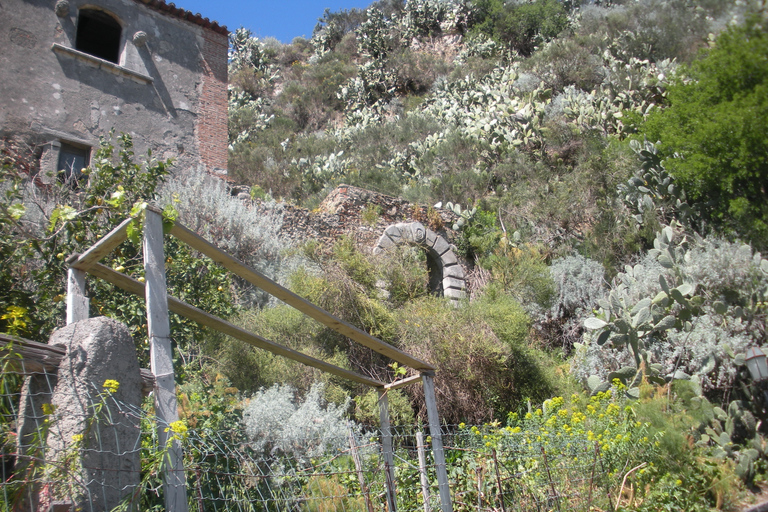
<point>446,275</point>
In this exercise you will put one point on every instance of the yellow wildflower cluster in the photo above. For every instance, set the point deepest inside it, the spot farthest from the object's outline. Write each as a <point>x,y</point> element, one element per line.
<point>179,429</point>
<point>111,386</point>
<point>604,421</point>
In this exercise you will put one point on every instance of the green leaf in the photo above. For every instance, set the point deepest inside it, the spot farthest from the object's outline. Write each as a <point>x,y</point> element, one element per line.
<point>594,323</point>
<point>720,307</point>
<point>685,289</point>
<point>622,325</point>
<point>640,305</point>
<point>117,198</point>
<point>708,365</point>
<point>138,208</point>
<point>666,261</point>
<point>615,303</point>
<point>619,340</point>
<point>63,214</point>
<point>663,283</point>
<point>667,234</point>
<point>17,211</point>
<point>133,232</point>
<point>593,382</point>
<point>666,323</point>
<point>603,337</point>
<point>642,317</point>
<point>624,374</point>
<point>678,296</point>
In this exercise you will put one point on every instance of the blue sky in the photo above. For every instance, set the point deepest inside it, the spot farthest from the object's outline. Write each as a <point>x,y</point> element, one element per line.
<point>282,19</point>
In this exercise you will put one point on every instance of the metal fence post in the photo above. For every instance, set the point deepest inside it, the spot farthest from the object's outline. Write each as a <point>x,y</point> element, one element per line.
<point>161,359</point>
<point>437,442</point>
<point>386,448</point>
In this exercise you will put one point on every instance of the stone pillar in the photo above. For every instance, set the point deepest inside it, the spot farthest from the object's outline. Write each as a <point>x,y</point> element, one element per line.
<point>93,436</point>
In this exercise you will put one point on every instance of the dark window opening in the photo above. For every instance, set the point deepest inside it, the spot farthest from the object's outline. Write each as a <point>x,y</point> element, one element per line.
<point>72,161</point>
<point>98,34</point>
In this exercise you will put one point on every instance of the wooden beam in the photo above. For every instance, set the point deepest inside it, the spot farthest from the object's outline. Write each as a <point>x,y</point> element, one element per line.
<point>77,301</point>
<point>101,248</point>
<point>401,383</point>
<point>28,357</point>
<point>161,363</point>
<point>256,278</point>
<point>437,442</point>
<point>181,308</point>
<point>388,452</point>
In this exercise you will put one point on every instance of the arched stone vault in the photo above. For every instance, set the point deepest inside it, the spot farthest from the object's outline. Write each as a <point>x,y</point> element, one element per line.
<point>444,266</point>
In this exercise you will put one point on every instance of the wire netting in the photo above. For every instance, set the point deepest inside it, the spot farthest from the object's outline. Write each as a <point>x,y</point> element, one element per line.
<point>489,468</point>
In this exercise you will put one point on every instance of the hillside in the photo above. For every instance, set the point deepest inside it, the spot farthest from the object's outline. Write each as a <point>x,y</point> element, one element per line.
<point>598,167</point>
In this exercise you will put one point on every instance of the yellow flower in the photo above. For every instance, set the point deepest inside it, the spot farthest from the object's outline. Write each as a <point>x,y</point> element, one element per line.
<point>111,386</point>
<point>77,438</point>
<point>48,408</point>
<point>178,427</point>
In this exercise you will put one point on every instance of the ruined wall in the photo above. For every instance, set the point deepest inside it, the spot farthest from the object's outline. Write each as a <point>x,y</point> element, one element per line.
<point>167,88</point>
<point>347,212</point>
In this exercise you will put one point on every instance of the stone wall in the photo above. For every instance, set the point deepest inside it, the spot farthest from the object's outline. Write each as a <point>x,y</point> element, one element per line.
<point>364,216</point>
<point>167,88</point>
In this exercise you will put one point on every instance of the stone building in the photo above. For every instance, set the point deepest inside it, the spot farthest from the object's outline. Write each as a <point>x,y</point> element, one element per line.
<point>72,70</point>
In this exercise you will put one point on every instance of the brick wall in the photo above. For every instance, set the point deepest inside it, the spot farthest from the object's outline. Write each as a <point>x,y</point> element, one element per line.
<point>212,121</point>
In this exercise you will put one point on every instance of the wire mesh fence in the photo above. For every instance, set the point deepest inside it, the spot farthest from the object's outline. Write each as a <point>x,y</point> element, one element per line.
<point>109,459</point>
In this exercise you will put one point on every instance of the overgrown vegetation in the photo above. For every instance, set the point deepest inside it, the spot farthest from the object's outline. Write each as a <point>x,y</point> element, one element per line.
<point>607,164</point>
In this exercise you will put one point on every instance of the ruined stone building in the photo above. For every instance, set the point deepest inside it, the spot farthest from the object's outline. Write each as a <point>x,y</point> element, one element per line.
<point>72,70</point>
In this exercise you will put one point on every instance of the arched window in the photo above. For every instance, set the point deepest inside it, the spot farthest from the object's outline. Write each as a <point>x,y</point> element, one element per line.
<point>98,34</point>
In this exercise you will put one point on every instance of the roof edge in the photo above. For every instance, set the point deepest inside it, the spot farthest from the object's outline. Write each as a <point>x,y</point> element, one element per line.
<point>178,12</point>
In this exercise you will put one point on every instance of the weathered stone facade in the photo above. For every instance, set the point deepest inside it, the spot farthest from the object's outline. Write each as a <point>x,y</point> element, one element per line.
<point>73,70</point>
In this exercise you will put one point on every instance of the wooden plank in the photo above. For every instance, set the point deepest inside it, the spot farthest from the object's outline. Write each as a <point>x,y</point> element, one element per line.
<point>402,383</point>
<point>256,278</point>
<point>181,308</point>
<point>359,469</point>
<point>27,357</point>
<point>388,451</point>
<point>161,362</point>
<point>423,470</point>
<point>101,248</point>
<point>77,301</point>
<point>437,442</point>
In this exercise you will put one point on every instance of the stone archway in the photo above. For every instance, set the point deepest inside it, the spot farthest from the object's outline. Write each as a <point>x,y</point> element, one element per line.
<point>446,275</point>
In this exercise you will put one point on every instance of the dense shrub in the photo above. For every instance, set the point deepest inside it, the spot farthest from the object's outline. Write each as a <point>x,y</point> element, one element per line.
<point>496,371</point>
<point>520,26</point>
<point>688,310</point>
<point>715,123</point>
<point>276,423</point>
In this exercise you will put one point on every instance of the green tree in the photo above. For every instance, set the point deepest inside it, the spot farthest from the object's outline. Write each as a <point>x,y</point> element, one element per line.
<point>521,26</point>
<point>713,131</point>
<point>40,228</point>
